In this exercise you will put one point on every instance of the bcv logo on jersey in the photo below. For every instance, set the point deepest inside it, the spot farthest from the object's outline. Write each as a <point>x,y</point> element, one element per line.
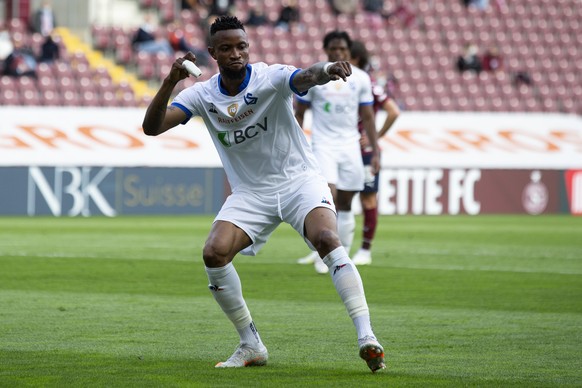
<point>238,136</point>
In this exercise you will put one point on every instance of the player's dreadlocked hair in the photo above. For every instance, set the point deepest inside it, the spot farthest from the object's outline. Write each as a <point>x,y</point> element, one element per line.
<point>359,51</point>
<point>226,23</point>
<point>336,35</point>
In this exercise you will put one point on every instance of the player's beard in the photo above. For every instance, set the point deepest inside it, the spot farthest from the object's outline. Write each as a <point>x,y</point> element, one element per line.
<point>234,74</point>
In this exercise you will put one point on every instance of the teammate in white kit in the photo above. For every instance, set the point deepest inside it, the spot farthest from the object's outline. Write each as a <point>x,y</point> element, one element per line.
<point>248,111</point>
<point>336,108</point>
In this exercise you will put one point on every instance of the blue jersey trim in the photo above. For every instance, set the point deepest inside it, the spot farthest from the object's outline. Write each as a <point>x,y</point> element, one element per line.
<point>302,101</point>
<point>366,103</point>
<point>242,86</point>
<point>184,109</point>
<point>293,87</point>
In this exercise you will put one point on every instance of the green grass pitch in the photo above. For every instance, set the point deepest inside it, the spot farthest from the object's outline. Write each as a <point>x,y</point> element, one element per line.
<point>456,301</point>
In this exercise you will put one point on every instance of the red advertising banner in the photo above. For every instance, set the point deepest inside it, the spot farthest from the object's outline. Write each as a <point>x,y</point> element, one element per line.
<point>477,191</point>
<point>574,191</point>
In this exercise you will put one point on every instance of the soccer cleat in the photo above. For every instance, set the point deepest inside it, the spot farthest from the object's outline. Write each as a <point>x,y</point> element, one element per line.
<point>309,259</point>
<point>320,266</point>
<point>243,356</point>
<point>372,352</point>
<point>362,257</point>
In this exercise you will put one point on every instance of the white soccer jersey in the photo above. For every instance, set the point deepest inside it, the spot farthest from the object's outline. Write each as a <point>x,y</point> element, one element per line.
<point>335,107</point>
<point>259,141</point>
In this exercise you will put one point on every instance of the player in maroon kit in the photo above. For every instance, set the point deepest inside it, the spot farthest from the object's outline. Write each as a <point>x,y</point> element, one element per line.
<point>368,196</point>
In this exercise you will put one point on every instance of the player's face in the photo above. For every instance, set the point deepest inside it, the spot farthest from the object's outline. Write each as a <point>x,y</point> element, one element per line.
<point>230,49</point>
<point>337,50</point>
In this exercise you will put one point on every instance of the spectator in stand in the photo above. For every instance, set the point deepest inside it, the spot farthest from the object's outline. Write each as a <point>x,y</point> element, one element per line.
<point>6,46</point>
<point>522,77</point>
<point>346,7</point>
<point>195,5</point>
<point>49,50</point>
<point>289,15</point>
<point>500,5</point>
<point>44,20</point>
<point>368,196</point>
<point>178,42</point>
<point>403,13</point>
<point>21,61</point>
<point>145,38</point>
<point>492,60</point>
<point>205,24</point>
<point>256,15</point>
<point>478,4</point>
<point>469,60</point>
<point>374,12</point>
<point>222,7</point>
<point>375,6</point>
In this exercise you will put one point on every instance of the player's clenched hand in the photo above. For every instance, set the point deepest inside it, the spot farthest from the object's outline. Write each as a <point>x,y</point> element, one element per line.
<point>339,70</point>
<point>364,142</point>
<point>178,72</point>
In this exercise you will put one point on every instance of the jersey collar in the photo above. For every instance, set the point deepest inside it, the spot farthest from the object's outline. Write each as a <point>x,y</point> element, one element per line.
<point>242,86</point>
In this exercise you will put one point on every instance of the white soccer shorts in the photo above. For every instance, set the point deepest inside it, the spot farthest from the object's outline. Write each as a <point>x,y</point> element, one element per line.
<point>342,166</point>
<point>258,214</point>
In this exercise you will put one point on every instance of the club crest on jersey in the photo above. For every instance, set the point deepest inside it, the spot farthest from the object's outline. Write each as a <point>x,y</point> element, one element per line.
<point>250,99</point>
<point>232,109</point>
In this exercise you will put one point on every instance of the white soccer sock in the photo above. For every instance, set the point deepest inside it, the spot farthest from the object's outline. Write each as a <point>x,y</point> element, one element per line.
<point>348,283</point>
<point>346,226</point>
<point>364,327</point>
<point>226,288</point>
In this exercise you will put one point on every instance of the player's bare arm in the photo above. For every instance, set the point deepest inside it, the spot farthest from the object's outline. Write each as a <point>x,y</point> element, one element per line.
<point>321,73</point>
<point>369,122</point>
<point>159,116</point>
<point>393,112</point>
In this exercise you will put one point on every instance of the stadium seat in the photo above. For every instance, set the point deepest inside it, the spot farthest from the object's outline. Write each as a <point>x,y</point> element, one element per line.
<point>30,97</point>
<point>47,82</point>
<point>16,25</point>
<point>50,98</point>
<point>7,82</point>
<point>9,97</point>
<point>100,37</point>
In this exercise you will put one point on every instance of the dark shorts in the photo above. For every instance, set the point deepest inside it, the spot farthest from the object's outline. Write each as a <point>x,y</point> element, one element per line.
<point>371,181</point>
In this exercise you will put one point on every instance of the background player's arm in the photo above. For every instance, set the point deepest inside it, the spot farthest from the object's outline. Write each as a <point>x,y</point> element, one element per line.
<point>159,116</point>
<point>393,112</point>
<point>316,75</point>
<point>369,123</point>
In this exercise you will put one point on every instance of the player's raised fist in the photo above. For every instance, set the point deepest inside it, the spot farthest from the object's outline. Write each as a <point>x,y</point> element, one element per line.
<point>339,70</point>
<point>179,71</point>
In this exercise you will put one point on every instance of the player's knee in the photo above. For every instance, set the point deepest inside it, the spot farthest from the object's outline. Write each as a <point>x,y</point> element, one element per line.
<point>344,205</point>
<point>326,241</point>
<point>215,254</point>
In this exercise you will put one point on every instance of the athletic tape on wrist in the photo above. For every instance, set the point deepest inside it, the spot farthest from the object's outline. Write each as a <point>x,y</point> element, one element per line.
<point>326,67</point>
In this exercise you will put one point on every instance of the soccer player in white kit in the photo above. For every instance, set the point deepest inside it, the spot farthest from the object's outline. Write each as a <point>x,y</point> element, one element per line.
<point>336,108</point>
<point>274,178</point>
